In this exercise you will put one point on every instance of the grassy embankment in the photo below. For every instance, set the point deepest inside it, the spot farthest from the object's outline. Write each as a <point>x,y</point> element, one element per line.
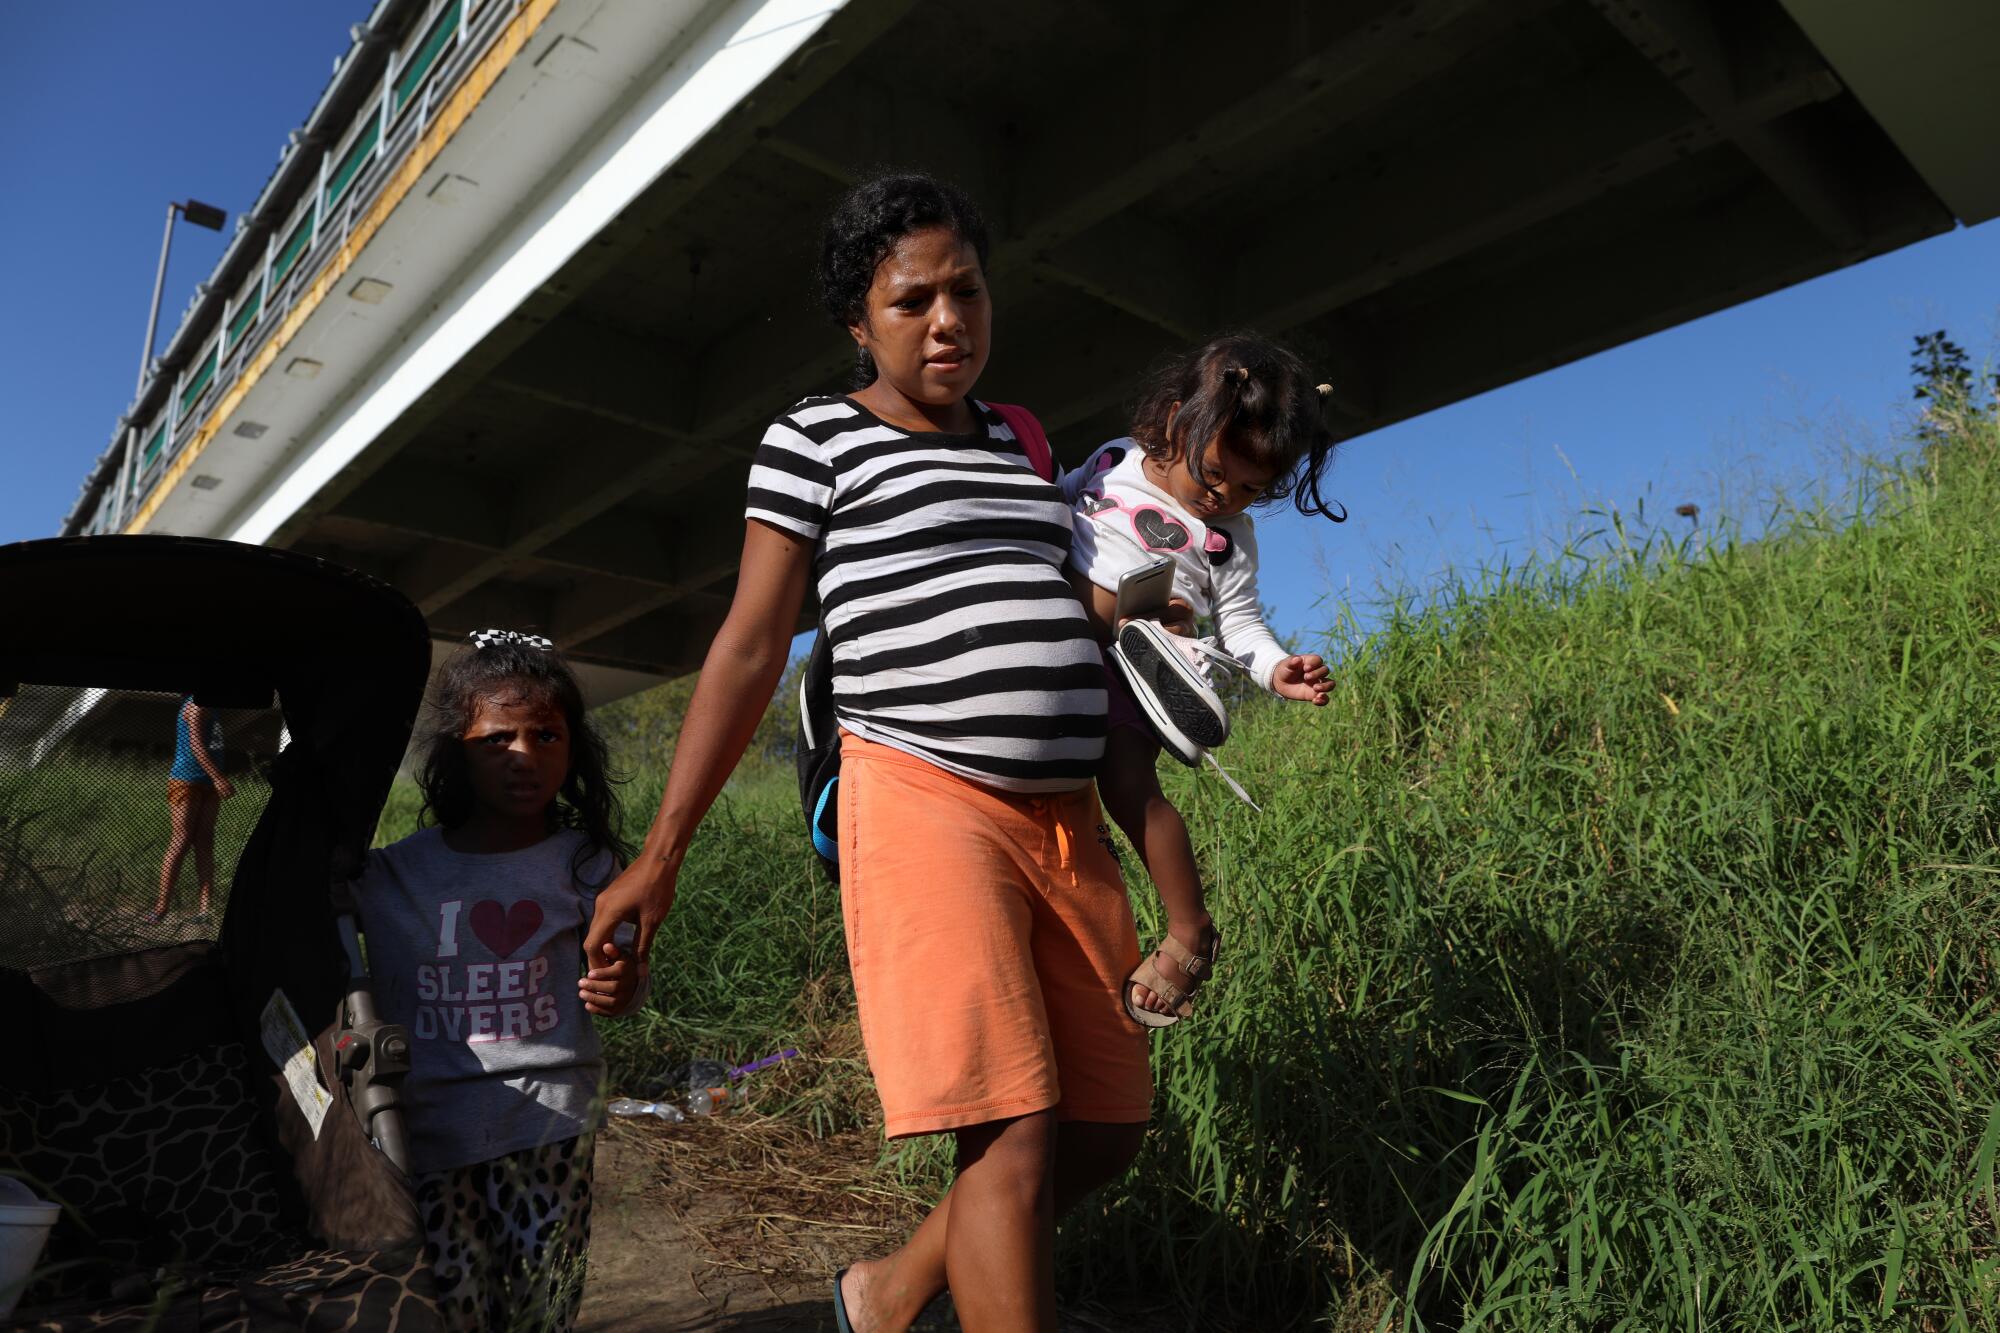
<point>1617,951</point>
<point>81,841</point>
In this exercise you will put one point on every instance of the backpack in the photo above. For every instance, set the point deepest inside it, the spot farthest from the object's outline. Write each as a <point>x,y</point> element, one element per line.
<point>818,740</point>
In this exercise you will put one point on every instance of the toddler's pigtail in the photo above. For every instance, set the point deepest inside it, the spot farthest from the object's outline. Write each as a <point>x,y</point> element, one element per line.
<point>1306,495</point>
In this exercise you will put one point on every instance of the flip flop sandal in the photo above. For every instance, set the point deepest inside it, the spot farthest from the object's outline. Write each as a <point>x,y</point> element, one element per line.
<point>1196,966</point>
<point>840,1321</point>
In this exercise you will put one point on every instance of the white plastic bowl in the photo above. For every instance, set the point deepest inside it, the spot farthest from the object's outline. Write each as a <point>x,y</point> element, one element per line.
<point>24,1228</point>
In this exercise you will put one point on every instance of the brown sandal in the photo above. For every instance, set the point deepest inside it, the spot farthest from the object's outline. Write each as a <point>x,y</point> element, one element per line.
<point>1196,966</point>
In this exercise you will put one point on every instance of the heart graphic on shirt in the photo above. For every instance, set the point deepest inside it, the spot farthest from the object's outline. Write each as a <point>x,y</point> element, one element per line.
<point>1108,459</point>
<point>1218,545</point>
<point>1094,503</point>
<point>505,929</point>
<point>1158,532</point>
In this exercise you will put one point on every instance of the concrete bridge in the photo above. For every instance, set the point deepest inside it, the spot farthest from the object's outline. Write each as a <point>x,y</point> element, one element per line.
<point>505,323</point>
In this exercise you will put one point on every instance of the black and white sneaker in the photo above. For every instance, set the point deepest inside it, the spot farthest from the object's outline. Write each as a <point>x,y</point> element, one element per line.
<point>1170,677</point>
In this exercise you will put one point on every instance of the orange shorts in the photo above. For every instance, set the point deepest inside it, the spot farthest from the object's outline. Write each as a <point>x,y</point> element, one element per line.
<point>990,938</point>
<point>182,792</point>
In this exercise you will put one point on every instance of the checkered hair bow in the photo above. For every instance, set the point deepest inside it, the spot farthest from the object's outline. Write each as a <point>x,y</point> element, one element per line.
<point>493,638</point>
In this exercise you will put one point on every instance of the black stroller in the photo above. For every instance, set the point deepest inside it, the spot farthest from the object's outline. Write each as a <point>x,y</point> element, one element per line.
<point>206,1094</point>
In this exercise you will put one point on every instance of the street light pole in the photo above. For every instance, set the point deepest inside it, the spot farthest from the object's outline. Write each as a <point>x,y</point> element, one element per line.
<point>159,281</point>
<point>202,215</point>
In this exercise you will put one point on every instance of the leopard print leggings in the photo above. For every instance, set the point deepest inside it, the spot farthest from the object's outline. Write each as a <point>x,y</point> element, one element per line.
<point>508,1238</point>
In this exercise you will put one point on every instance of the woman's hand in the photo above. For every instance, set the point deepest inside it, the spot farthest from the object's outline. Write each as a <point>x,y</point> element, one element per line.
<point>642,894</point>
<point>610,988</point>
<point>1303,677</point>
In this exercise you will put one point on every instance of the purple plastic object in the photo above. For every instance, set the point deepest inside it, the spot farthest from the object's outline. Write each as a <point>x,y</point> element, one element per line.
<point>764,1063</point>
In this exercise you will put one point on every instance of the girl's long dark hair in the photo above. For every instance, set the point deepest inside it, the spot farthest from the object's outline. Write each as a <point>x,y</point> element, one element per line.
<point>1252,394</point>
<point>586,802</point>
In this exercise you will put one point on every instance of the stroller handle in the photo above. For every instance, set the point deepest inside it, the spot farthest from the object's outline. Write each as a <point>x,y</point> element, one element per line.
<point>373,1056</point>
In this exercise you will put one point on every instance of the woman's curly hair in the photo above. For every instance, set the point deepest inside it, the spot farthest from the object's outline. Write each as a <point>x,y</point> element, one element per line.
<point>1252,394</point>
<point>586,801</point>
<point>865,226</point>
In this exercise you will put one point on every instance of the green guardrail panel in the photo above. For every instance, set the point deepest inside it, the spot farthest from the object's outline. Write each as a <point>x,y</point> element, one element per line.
<point>245,316</point>
<point>425,56</point>
<point>200,380</point>
<point>357,154</point>
<point>294,246</point>
<point>423,60</point>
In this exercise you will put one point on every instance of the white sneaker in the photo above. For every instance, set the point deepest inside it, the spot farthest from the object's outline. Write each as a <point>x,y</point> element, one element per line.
<point>1171,677</point>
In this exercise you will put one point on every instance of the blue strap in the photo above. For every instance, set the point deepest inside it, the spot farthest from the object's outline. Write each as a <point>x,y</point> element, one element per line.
<point>822,844</point>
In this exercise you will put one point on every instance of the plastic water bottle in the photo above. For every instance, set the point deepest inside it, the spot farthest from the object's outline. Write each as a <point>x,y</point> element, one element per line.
<point>707,1101</point>
<point>632,1106</point>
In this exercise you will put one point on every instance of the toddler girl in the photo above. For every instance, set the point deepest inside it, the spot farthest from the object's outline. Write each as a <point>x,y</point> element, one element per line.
<point>475,929</point>
<point>1234,423</point>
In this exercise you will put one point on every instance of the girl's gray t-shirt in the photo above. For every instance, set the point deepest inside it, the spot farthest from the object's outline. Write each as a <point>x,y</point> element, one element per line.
<point>479,956</point>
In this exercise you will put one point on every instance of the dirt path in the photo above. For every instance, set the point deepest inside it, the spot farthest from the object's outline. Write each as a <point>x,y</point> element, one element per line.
<point>648,1270</point>
<point>675,1249</point>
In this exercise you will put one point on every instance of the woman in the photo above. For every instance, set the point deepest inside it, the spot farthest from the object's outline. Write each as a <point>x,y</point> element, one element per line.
<point>987,926</point>
<point>196,790</point>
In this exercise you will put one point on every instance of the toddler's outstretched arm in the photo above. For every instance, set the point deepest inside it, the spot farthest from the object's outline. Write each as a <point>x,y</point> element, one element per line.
<point>1239,621</point>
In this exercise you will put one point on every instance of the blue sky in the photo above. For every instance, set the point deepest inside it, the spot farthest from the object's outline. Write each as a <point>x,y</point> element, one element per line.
<point>111,110</point>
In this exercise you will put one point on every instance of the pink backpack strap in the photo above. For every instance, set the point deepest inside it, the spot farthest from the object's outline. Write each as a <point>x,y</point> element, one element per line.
<point>1034,440</point>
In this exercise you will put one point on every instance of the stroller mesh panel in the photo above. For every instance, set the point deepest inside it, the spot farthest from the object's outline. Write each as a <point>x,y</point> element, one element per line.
<point>120,978</point>
<point>88,819</point>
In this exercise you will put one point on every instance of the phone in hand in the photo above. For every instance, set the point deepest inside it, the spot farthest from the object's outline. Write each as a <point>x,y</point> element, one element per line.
<point>1143,590</point>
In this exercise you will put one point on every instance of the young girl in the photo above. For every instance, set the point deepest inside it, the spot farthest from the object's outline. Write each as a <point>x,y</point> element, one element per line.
<point>475,932</point>
<point>1232,424</point>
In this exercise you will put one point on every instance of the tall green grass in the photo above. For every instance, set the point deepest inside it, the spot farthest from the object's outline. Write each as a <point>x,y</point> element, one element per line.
<point>1616,951</point>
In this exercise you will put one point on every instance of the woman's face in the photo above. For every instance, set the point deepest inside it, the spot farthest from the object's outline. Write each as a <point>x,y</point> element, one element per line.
<point>927,320</point>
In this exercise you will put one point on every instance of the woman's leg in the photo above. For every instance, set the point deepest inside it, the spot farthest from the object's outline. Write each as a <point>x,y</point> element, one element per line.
<point>1010,1000</point>
<point>889,1293</point>
<point>201,831</point>
<point>180,816</point>
<point>999,1248</point>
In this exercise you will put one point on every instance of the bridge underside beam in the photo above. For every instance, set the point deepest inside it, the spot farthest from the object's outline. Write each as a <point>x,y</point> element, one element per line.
<point>1428,197</point>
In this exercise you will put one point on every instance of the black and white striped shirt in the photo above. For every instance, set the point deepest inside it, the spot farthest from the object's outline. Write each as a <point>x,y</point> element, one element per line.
<point>955,635</point>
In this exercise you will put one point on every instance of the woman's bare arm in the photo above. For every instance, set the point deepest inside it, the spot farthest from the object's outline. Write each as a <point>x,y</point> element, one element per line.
<point>197,725</point>
<point>737,678</point>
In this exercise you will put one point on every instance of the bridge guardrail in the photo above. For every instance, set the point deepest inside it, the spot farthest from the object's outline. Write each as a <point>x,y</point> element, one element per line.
<point>444,43</point>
